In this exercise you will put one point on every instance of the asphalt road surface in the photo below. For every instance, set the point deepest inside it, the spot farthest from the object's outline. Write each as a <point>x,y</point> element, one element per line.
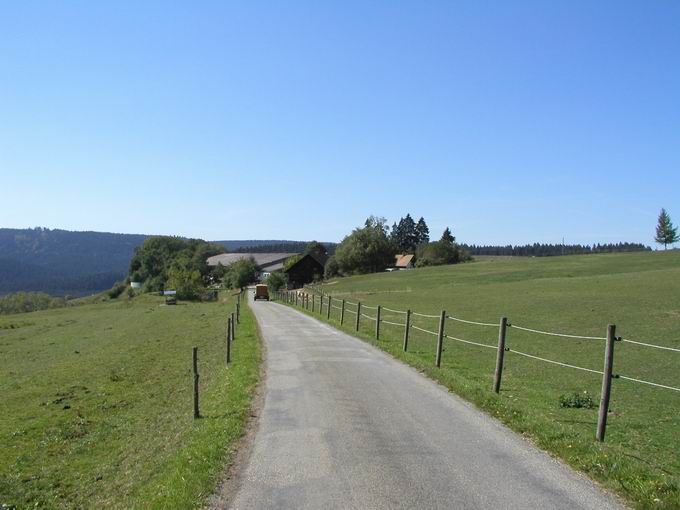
<point>346,426</point>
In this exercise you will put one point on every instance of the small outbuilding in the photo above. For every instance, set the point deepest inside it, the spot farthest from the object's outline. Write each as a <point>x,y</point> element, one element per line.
<point>404,261</point>
<point>305,270</point>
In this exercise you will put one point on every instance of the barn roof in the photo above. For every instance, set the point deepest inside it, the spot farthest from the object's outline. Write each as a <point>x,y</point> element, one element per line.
<point>403,260</point>
<point>265,261</point>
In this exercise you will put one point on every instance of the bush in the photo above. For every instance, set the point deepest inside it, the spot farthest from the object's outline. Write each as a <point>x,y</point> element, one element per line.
<point>437,253</point>
<point>332,268</point>
<point>276,281</point>
<point>23,302</point>
<point>117,289</point>
<point>577,401</point>
<point>187,283</point>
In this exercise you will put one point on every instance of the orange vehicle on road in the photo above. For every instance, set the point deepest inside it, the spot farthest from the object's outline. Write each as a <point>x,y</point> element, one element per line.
<point>261,292</point>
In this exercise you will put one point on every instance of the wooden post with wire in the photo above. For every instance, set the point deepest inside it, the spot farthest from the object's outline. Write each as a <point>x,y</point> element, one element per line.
<point>330,304</point>
<point>194,362</point>
<point>440,339</point>
<point>358,315</point>
<point>233,327</point>
<point>502,329</point>
<point>377,323</point>
<point>342,313</point>
<point>313,300</point>
<point>606,382</point>
<point>228,340</point>
<point>407,327</point>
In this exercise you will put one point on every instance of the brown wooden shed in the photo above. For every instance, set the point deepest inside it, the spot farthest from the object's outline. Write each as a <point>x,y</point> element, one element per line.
<point>305,270</point>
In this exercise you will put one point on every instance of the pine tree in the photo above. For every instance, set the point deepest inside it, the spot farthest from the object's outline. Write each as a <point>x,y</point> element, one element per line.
<point>422,232</point>
<point>447,237</point>
<point>666,233</point>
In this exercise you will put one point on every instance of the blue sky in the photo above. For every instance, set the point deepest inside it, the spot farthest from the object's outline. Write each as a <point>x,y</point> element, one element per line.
<point>511,122</point>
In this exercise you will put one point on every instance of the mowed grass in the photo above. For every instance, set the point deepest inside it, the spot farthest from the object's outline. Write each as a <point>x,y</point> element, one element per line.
<point>97,403</point>
<point>580,295</point>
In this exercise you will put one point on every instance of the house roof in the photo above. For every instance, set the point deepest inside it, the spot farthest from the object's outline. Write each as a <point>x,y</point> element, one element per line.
<point>265,261</point>
<point>315,259</point>
<point>403,260</point>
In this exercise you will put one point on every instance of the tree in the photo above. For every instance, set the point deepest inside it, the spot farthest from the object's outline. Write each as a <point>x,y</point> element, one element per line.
<point>332,268</point>
<point>276,281</point>
<point>186,282</point>
<point>447,237</point>
<point>422,232</point>
<point>404,236</point>
<point>666,232</point>
<point>241,273</point>
<point>317,250</point>
<point>367,249</point>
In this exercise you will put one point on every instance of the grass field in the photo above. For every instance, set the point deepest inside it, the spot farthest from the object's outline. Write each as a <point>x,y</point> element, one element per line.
<point>580,295</point>
<point>97,403</point>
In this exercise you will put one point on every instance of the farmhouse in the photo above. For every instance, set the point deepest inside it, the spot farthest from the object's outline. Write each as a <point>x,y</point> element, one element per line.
<point>305,270</point>
<point>403,261</point>
<point>266,263</point>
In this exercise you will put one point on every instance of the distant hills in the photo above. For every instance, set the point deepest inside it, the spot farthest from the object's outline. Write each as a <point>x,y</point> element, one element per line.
<point>63,262</point>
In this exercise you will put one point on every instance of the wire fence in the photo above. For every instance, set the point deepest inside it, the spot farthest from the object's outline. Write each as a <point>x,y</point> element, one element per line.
<point>328,303</point>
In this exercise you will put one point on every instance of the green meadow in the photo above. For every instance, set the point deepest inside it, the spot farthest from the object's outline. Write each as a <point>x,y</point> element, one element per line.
<point>576,295</point>
<point>97,403</point>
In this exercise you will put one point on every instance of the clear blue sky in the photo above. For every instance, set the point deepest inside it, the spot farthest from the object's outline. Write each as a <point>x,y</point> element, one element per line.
<point>511,122</point>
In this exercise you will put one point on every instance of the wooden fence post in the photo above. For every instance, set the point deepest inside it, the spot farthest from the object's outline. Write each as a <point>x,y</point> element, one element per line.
<point>606,382</point>
<point>502,328</point>
<point>313,300</point>
<point>342,313</point>
<point>406,329</point>
<point>194,362</point>
<point>228,340</point>
<point>233,327</point>
<point>238,313</point>
<point>377,323</point>
<point>330,305</point>
<point>358,314</point>
<point>440,339</point>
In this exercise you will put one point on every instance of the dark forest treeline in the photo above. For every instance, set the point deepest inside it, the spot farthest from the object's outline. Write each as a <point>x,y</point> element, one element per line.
<point>284,247</point>
<point>551,250</point>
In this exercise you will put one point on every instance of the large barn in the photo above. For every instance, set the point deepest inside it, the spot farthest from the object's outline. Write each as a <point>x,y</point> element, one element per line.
<point>266,262</point>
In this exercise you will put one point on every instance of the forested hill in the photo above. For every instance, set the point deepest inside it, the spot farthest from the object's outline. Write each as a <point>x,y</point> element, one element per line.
<point>63,262</point>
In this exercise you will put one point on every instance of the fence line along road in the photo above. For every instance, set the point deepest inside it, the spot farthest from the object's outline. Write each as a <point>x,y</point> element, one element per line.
<point>504,325</point>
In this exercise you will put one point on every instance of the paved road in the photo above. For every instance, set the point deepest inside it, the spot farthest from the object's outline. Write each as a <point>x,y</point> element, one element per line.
<point>346,426</point>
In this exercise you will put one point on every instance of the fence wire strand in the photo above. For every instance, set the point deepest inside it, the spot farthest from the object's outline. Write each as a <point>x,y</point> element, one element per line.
<point>337,307</point>
<point>368,316</point>
<point>424,315</point>
<point>651,345</point>
<point>393,323</point>
<point>471,322</point>
<point>393,311</point>
<point>555,362</point>
<point>556,334</point>
<point>424,330</point>
<point>369,307</point>
<point>470,342</point>
<point>648,382</point>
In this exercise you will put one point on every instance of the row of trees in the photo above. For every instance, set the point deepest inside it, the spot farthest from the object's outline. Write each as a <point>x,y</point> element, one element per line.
<point>373,247</point>
<point>549,250</point>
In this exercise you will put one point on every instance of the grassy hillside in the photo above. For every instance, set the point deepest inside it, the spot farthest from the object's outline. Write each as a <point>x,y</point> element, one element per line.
<point>97,403</point>
<point>580,295</point>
